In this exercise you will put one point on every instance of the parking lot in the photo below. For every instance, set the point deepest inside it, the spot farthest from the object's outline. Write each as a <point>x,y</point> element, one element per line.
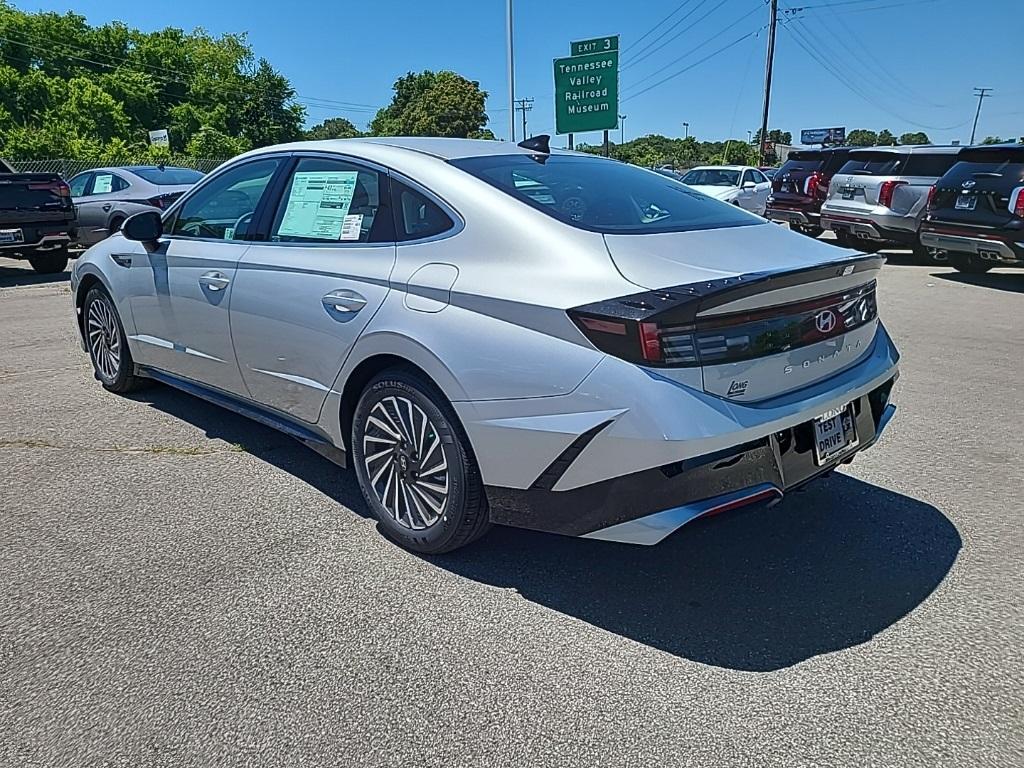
<point>184,587</point>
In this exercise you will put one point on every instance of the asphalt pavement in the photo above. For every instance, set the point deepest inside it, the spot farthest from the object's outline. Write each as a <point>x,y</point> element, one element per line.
<point>183,587</point>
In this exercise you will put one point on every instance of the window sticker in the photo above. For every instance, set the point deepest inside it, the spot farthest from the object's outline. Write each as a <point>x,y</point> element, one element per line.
<point>352,228</point>
<point>318,204</point>
<point>101,185</point>
<point>229,233</point>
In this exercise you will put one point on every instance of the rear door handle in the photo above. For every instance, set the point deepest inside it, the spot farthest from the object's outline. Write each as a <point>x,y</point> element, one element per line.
<point>106,206</point>
<point>215,281</point>
<point>344,301</point>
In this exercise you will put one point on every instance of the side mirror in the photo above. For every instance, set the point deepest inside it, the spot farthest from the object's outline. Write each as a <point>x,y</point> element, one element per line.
<point>749,185</point>
<point>145,227</point>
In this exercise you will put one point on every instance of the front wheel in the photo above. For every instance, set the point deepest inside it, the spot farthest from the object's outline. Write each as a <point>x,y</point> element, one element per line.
<point>108,348</point>
<point>49,263</point>
<point>415,465</point>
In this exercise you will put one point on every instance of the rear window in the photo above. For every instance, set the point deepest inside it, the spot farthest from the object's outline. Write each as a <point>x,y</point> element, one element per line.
<point>1006,169</point>
<point>712,177</point>
<point>834,161</point>
<point>999,156</point>
<point>603,195</point>
<point>803,162</point>
<point>874,164</point>
<point>929,165</point>
<point>169,176</point>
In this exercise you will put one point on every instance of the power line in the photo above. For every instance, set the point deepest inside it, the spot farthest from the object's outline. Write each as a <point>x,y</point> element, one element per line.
<point>650,51</point>
<point>640,39</point>
<point>711,55</point>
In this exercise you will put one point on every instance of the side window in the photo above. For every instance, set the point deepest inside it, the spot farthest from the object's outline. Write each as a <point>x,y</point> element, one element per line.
<point>330,201</point>
<point>747,177</point>
<point>417,216</point>
<point>759,177</point>
<point>79,184</point>
<point>104,182</point>
<point>223,208</point>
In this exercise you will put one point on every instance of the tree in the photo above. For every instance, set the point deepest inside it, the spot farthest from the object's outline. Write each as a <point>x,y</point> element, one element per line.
<point>333,128</point>
<point>860,137</point>
<point>209,142</point>
<point>268,114</point>
<point>918,137</point>
<point>993,140</point>
<point>775,136</point>
<point>886,139</point>
<point>433,104</point>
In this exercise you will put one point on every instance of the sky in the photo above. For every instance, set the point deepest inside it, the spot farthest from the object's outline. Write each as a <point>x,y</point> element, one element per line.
<point>904,65</point>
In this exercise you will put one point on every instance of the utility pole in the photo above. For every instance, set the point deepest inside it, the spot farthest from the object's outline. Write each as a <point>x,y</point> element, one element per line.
<point>524,106</point>
<point>769,63</point>
<point>982,94</point>
<point>686,128</point>
<point>622,129</point>
<point>511,76</point>
<point>750,138</point>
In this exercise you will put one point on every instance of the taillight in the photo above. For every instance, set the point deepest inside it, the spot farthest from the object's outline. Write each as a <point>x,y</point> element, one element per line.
<point>59,188</point>
<point>158,202</point>
<point>811,184</point>
<point>1017,202</point>
<point>886,190</point>
<point>931,197</point>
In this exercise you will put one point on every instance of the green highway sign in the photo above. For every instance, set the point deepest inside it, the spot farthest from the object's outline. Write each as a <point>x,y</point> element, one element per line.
<point>597,45</point>
<point>587,91</point>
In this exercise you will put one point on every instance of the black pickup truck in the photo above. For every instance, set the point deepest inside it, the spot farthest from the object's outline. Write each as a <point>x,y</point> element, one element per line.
<point>37,219</point>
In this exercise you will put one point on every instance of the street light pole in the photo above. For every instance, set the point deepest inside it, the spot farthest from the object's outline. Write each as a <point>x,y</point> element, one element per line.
<point>622,129</point>
<point>982,94</point>
<point>511,75</point>
<point>686,128</point>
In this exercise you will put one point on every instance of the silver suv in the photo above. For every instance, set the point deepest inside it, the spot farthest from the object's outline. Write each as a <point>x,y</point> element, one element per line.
<point>879,196</point>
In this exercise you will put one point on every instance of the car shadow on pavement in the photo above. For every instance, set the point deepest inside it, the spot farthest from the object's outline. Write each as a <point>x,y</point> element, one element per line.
<point>264,443</point>
<point>1012,282</point>
<point>13,277</point>
<point>755,590</point>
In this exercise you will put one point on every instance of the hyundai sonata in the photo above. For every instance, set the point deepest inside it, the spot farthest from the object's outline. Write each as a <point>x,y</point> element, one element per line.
<point>490,333</point>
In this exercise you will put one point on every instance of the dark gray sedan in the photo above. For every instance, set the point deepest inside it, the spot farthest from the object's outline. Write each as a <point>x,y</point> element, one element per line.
<point>105,197</point>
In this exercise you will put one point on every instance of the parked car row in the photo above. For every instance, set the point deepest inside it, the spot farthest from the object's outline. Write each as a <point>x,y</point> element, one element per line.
<point>42,216</point>
<point>961,204</point>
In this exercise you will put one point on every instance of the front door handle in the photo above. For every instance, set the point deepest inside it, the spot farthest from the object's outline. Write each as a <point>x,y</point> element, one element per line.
<point>344,301</point>
<point>215,281</point>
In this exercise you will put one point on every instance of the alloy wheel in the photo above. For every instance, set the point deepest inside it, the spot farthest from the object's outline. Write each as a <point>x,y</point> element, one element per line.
<point>104,339</point>
<point>405,462</point>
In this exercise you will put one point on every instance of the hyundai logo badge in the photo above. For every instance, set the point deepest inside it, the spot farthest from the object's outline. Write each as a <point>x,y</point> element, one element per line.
<point>825,321</point>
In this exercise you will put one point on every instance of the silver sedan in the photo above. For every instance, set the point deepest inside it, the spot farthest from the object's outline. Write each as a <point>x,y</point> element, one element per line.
<point>105,197</point>
<point>490,333</point>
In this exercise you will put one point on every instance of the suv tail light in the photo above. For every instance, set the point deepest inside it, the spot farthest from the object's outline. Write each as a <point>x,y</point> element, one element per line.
<point>886,190</point>
<point>1017,202</point>
<point>931,197</point>
<point>812,184</point>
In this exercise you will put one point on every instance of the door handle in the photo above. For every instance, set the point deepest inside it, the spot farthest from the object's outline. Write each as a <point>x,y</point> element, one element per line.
<point>215,281</point>
<point>345,301</point>
<point>106,206</point>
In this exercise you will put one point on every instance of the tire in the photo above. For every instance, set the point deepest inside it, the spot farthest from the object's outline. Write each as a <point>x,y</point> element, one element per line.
<point>843,240</point>
<point>108,347</point>
<point>49,263</point>
<point>401,422</point>
<point>924,254</point>
<point>970,264</point>
<point>809,230</point>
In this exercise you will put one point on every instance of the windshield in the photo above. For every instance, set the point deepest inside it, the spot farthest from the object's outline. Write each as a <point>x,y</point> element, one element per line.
<point>603,195</point>
<point>168,176</point>
<point>712,177</point>
<point>873,164</point>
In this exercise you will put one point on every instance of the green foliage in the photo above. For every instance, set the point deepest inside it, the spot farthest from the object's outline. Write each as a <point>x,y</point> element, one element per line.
<point>859,137</point>
<point>917,137</point>
<point>70,90</point>
<point>333,128</point>
<point>655,151</point>
<point>993,140</point>
<point>886,139</point>
<point>433,104</point>
<point>774,135</point>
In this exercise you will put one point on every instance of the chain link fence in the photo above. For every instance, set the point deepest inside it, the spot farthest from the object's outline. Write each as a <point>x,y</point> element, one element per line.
<point>68,168</point>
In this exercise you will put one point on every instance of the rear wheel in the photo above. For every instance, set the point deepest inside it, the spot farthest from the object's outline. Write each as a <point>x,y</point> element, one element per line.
<point>415,466</point>
<point>108,348</point>
<point>49,263</point>
<point>969,264</point>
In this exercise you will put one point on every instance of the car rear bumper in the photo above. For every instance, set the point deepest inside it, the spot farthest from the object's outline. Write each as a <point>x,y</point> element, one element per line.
<point>802,216</point>
<point>39,239</point>
<point>986,247</point>
<point>894,229</point>
<point>670,454</point>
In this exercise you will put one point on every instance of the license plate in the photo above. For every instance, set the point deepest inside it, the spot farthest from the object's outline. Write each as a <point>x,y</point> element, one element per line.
<point>966,202</point>
<point>11,236</point>
<point>849,193</point>
<point>834,433</point>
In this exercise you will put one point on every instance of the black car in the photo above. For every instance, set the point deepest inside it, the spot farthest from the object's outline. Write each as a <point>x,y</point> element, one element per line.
<point>37,218</point>
<point>976,210</point>
<point>800,186</point>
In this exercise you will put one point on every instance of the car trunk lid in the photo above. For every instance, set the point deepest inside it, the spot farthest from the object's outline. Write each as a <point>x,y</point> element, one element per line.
<point>34,198</point>
<point>978,189</point>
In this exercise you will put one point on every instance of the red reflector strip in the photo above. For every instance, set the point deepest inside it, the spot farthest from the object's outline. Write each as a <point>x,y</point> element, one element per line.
<point>604,326</point>
<point>764,495</point>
